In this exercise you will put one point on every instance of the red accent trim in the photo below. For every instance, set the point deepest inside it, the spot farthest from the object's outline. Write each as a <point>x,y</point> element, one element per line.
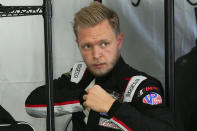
<point>127,82</point>
<point>28,105</point>
<point>55,104</point>
<point>67,102</point>
<point>128,79</point>
<point>120,122</point>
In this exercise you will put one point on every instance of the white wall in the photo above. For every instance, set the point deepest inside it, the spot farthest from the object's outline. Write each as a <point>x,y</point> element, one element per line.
<point>22,46</point>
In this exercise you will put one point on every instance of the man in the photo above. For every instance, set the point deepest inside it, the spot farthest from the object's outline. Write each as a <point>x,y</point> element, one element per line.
<point>104,93</point>
<point>185,91</point>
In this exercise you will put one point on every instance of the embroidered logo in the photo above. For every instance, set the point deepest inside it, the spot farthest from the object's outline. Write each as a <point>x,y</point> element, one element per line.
<point>77,72</point>
<point>131,87</point>
<point>107,123</point>
<point>152,99</point>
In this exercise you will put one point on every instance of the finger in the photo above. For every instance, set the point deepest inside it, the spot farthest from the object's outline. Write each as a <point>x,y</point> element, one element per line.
<point>84,97</point>
<point>84,104</point>
<point>97,86</point>
<point>88,108</point>
<point>87,90</point>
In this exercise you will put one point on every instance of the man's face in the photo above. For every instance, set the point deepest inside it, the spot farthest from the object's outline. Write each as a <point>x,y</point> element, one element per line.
<point>99,47</point>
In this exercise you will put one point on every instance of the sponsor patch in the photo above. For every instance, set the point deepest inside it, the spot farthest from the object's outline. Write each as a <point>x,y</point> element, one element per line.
<point>147,89</point>
<point>120,124</point>
<point>115,95</point>
<point>152,99</point>
<point>150,88</point>
<point>107,123</point>
<point>131,87</point>
<point>77,72</point>
<point>141,92</point>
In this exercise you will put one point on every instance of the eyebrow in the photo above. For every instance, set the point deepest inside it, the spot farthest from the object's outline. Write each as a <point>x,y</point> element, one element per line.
<point>104,41</point>
<point>100,41</point>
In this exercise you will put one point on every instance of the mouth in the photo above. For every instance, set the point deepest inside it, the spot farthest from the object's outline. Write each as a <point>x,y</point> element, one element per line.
<point>99,66</point>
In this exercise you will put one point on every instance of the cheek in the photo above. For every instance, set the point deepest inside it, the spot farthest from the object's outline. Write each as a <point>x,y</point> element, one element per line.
<point>86,56</point>
<point>112,54</point>
<point>110,51</point>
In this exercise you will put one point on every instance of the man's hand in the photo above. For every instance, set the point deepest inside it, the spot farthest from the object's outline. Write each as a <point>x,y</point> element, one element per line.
<point>98,99</point>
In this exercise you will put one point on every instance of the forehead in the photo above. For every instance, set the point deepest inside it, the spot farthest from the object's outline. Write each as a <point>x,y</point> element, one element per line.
<point>101,31</point>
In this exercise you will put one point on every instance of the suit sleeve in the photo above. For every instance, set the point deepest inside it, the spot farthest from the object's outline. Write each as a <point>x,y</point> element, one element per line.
<point>66,98</point>
<point>145,111</point>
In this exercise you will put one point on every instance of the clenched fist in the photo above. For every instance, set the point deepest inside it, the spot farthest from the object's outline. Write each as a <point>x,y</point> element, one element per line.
<point>98,99</point>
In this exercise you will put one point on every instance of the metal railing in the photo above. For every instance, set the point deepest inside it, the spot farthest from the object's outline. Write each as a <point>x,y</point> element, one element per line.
<point>46,11</point>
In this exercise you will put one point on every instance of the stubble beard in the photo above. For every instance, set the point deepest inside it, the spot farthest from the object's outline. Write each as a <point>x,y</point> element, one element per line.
<point>103,72</point>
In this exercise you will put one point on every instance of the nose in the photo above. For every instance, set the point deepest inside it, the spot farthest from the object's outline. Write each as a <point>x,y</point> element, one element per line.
<point>97,52</point>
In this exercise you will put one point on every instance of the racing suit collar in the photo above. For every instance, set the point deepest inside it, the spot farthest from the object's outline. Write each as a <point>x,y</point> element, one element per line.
<point>116,70</point>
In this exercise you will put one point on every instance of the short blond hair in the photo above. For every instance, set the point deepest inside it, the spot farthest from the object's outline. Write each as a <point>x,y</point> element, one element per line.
<point>94,14</point>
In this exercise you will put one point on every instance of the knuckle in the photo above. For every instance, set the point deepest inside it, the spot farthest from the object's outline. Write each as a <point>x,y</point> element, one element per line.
<point>96,86</point>
<point>87,97</point>
<point>84,97</point>
<point>84,103</point>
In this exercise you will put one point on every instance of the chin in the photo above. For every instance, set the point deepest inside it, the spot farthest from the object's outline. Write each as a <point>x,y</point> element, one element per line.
<point>100,73</point>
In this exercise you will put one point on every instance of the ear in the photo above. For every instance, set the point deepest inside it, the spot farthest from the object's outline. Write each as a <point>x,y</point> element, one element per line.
<point>120,39</point>
<point>77,42</point>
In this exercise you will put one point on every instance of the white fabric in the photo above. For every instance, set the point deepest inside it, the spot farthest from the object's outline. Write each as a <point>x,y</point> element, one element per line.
<point>22,46</point>
<point>41,112</point>
<point>131,87</point>
<point>78,72</point>
<point>86,111</point>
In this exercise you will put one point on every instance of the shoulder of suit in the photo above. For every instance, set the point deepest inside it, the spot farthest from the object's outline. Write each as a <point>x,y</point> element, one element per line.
<point>78,71</point>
